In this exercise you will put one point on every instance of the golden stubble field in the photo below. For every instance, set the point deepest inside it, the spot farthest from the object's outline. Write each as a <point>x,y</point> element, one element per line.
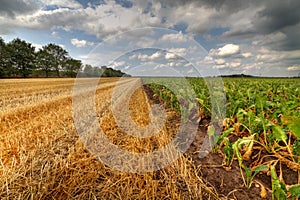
<point>42,156</point>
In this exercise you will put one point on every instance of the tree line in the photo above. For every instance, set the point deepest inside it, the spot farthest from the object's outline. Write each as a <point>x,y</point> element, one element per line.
<point>19,58</point>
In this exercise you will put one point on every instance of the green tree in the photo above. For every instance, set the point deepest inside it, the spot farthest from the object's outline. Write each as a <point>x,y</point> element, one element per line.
<point>22,56</point>
<point>45,60</point>
<point>88,71</point>
<point>59,54</point>
<point>2,57</point>
<point>72,67</point>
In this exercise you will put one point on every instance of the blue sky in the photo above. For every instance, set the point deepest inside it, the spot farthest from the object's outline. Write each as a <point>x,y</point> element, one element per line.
<point>232,36</point>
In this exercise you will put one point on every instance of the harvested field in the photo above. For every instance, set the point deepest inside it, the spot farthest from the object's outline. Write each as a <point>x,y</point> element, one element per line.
<point>43,157</point>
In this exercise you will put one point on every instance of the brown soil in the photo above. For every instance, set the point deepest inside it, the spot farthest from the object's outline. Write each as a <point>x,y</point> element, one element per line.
<point>228,182</point>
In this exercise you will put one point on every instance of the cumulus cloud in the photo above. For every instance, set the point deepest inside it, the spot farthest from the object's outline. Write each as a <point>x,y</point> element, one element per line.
<point>267,55</point>
<point>178,51</point>
<point>293,68</point>
<point>174,37</point>
<point>116,64</point>
<point>272,27</point>
<point>81,43</point>
<point>241,18</point>
<point>155,56</point>
<point>145,57</point>
<point>228,50</point>
<point>225,51</point>
<point>247,54</point>
<point>169,56</point>
<point>220,61</point>
<point>235,63</point>
<point>65,3</point>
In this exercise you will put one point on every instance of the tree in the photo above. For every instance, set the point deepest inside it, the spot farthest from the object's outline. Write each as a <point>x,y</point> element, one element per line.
<point>72,67</point>
<point>2,57</point>
<point>59,54</point>
<point>97,72</point>
<point>22,56</point>
<point>88,70</point>
<point>45,61</point>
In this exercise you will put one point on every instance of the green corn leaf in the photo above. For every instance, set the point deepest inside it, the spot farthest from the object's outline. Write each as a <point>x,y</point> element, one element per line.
<point>224,134</point>
<point>260,168</point>
<point>279,134</point>
<point>248,173</point>
<point>293,124</point>
<point>295,191</point>
<point>296,148</point>
<point>278,188</point>
<point>240,115</point>
<point>228,150</point>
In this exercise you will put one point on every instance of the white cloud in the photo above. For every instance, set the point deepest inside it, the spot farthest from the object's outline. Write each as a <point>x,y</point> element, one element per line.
<point>169,56</point>
<point>174,37</point>
<point>155,56</point>
<point>54,34</point>
<point>64,3</point>
<point>247,54</point>
<point>208,59</point>
<point>109,19</point>
<point>81,43</point>
<point>188,65</point>
<point>228,50</point>
<point>293,68</point>
<point>267,55</point>
<point>134,56</point>
<point>220,61</point>
<point>235,63</point>
<point>172,64</point>
<point>37,46</point>
<point>145,57</point>
<point>225,51</point>
<point>117,64</point>
<point>103,20</point>
<point>178,51</point>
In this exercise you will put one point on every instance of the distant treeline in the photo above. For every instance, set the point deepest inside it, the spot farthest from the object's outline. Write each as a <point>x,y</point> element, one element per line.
<point>90,71</point>
<point>238,76</point>
<point>19,58</point>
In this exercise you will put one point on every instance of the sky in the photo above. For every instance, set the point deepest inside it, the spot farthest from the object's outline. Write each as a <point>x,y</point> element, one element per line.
<point>164,37</point>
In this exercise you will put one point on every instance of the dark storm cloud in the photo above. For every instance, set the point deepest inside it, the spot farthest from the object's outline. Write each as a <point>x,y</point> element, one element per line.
<point>265,17</point>
<point>228,5</point>
<point>278,15</point>
<point>271,17</point>
<point>11,8</point>
<point>292,42</point>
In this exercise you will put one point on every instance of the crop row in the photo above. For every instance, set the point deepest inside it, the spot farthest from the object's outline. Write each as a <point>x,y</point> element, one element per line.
<point>262,119</point>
